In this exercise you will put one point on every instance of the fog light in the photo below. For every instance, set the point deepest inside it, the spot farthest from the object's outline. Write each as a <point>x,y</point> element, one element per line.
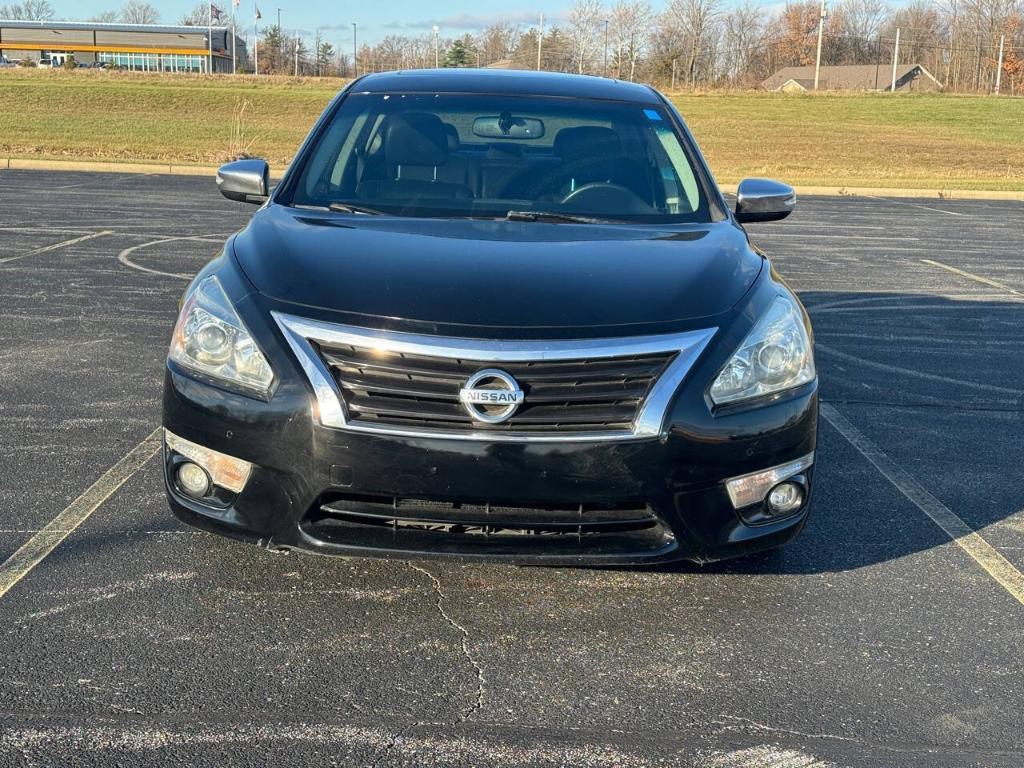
<point>752,489</point>
<point>222,470</point>
<point>785,498</point>
<point>193,480</point>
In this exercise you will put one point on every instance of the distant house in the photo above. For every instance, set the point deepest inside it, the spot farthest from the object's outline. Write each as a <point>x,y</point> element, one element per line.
<point>853,77</point>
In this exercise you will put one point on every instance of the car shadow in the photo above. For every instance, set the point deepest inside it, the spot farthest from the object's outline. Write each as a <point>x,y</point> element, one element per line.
<point>937,384</point>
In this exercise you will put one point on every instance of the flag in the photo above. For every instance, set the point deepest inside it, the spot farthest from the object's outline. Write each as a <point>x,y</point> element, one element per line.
<point>215,12</point>
<point>258,14</point>
<point>235,3</point>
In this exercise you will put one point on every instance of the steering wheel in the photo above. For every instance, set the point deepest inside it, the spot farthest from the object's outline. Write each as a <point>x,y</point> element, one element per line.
<point>605,196</point>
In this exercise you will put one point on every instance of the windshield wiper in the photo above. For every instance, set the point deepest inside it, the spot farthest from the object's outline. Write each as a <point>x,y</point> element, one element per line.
<point>553,217</point>
<point>349,208</point>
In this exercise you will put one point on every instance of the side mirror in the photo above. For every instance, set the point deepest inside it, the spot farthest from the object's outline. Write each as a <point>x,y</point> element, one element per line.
<point>247,181</point>
<point>764,200</point>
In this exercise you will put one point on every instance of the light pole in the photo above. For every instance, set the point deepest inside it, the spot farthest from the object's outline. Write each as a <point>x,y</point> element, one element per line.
<point>821,30</point>
<point>437,56</point>
<point>895,60</point>
<point>540,40</point>
<point>999,66</point>
<point>606,47</point>
<point>355,53</point>
<point>280,37</point>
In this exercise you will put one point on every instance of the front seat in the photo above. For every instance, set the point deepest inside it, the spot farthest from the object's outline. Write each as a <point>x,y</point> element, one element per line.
<point>415,145</point>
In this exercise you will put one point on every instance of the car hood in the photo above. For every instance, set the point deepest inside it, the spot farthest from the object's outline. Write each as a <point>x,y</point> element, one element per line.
<point>430,273</point>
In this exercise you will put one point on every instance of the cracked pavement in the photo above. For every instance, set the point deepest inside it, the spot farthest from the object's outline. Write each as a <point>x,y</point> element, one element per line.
<point>871,641</point>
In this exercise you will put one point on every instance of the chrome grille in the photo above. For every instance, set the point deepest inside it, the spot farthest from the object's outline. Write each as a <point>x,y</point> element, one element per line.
<point>384,382</point>
<point>421,391</point>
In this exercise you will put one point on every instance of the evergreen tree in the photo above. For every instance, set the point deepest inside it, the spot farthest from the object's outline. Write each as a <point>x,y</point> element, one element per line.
<point>270,50</point>
<point>458,54</point>
<point>324,57</point>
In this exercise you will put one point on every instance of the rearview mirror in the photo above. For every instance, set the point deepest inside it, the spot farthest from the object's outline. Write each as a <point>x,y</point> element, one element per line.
<point>507,126</point>
<point>247,181</point>
<point>764,200</point>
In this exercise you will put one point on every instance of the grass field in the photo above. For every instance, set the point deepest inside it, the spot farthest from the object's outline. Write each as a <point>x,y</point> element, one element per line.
<point>927,141</point>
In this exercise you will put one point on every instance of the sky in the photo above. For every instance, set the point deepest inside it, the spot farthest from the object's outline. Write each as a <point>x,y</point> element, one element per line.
<point>375,19</point>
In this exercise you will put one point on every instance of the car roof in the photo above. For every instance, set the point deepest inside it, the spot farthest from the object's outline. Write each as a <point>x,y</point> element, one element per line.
<point>505,81</point>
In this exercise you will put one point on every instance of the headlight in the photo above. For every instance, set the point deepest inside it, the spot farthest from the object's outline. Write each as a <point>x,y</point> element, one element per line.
<point>775,356</point>
<point>211,339</point>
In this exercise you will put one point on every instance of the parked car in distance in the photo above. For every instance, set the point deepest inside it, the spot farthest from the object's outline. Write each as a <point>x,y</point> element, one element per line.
<point>494,315</point>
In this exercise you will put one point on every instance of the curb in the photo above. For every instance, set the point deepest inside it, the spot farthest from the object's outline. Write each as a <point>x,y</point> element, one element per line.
<point>935,194</point>
<point>98,166</point>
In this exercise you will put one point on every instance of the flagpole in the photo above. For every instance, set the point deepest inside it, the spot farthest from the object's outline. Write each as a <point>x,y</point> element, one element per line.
<point>234,60</point>
<point>209,38</point>
<point>256,37</point>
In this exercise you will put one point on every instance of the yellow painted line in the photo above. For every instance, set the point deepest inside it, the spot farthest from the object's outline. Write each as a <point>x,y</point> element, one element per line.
<point>965,537</point>
<point>32,552</point>
<point>57,246</point>
<point>972,276</point>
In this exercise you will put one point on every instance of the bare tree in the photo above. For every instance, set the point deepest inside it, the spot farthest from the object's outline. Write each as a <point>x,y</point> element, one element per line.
<point>30,10</point>
<point>139,12</point>
<point>742,29</point>
<point>105,17</point>
<point>200,16</point>
<point>693,20</point>
<point>630,26</point>
<point>583,27</point>
<point>498,41</point>
<point>860,24</point>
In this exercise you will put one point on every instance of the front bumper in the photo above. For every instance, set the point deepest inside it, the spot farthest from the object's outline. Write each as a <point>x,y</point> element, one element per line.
<point>677,481</point>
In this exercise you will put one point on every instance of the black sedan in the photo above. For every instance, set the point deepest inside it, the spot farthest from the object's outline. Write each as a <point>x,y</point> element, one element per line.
<point>496,315</point>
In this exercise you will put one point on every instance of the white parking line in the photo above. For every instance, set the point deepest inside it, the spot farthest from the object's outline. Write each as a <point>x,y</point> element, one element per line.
<point>828,350</point>
<point>56,246</point>
<point>124,255</point>
<point>32,552</point>
<point>972,276</point>
<point>915,205</point>
<point>965,537</point>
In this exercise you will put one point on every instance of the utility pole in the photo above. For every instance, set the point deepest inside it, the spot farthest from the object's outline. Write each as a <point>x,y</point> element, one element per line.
<point>280,36</point>
<point>606,47</point>
<point>674,63</point>
<point>540,40</point>
<point>437,54</point>
<point>999,66</point>
<point>821,32</point>
<point>895,60</point>
<point>950,79</point>
<point>878,58</point>
<point>234,58</point>
<point>296,55</point>
<point>355,53</point>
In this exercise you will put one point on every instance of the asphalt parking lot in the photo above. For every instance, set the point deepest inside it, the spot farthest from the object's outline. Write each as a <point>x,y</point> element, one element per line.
<point>875,639</point>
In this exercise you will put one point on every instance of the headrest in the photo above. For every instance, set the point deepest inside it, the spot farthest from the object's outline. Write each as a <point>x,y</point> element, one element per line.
<point>453,137</point>
<point>415,138</point>
<point>586,142</point>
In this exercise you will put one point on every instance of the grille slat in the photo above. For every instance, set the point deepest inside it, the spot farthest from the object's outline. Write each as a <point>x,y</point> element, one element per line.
<point>380,407</point>
<point>586,391</point>
<point>422,392</point>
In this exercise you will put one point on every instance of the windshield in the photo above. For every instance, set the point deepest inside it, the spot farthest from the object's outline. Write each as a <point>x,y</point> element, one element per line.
<point>479,155</point>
